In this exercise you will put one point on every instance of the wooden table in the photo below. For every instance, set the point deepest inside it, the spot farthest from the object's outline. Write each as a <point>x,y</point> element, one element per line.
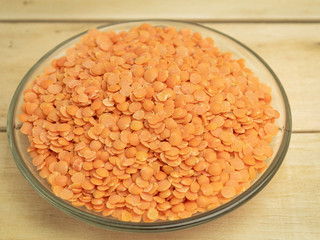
<point>285,33</point>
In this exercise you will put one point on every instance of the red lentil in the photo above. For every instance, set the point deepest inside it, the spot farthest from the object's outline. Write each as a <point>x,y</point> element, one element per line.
<point>148,124</point>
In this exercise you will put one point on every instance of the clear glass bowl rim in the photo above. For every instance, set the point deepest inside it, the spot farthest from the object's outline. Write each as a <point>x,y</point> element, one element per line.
<point>155,226</point>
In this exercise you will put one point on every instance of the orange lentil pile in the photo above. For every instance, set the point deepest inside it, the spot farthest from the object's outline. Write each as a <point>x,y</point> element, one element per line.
<point>150,124</point>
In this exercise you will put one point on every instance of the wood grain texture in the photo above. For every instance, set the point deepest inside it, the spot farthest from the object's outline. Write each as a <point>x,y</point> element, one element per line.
<point>82,10</point>
<point>288,207</point>
<point>292,50</point>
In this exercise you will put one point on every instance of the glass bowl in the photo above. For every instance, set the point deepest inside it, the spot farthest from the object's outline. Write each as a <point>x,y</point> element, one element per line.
<point>19,142</point>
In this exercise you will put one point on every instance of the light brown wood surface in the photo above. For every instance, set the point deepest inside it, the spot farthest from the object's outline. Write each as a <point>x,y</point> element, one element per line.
<point>204,10</point>
<point>287,208</point>
<point>285,33</point>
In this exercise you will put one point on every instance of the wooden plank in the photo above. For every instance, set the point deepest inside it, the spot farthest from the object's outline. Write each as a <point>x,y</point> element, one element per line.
<point>226,10</point>
<point>292,50</point>
<point>288,207</point>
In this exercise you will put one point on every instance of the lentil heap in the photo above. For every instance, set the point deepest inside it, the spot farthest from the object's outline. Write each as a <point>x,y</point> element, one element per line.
<point>150,124</point>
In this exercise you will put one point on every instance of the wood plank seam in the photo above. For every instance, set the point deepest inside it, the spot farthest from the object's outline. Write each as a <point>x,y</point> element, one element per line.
<point>233,21</point>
